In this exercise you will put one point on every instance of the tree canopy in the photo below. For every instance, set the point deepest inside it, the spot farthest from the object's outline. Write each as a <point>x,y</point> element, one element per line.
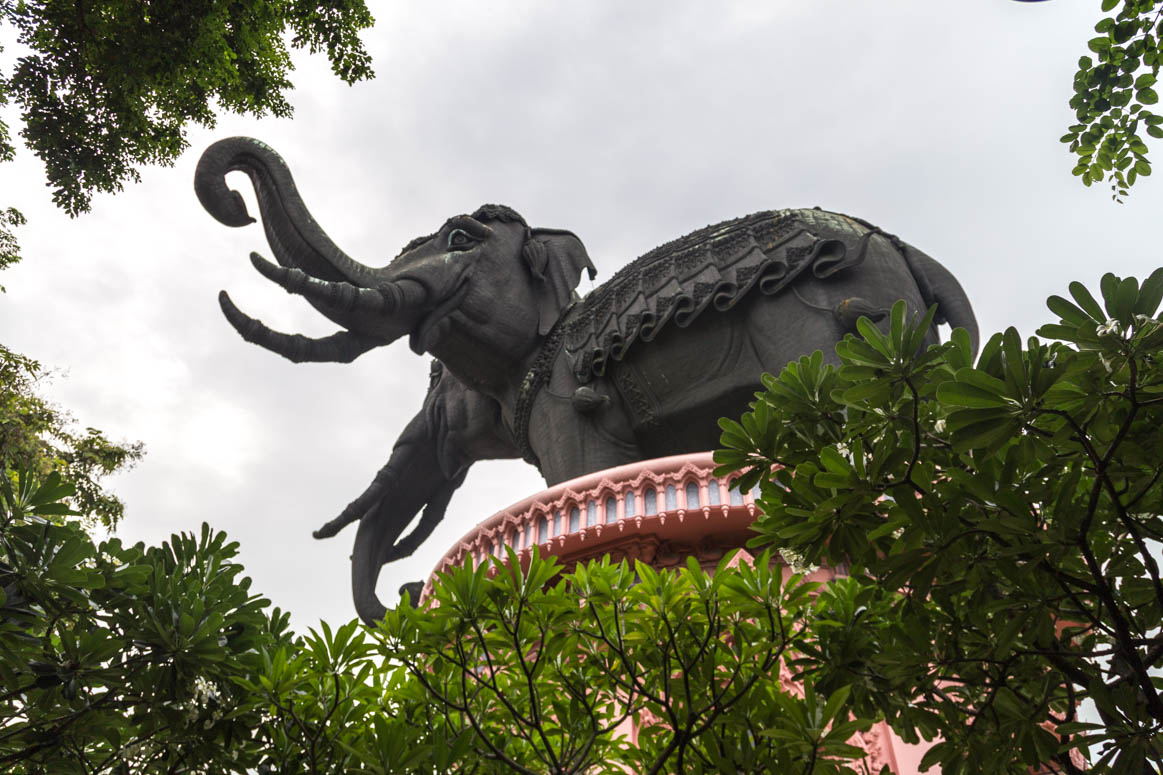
<point>118,659</point>
<point>535,671</point>
<point>104,87</point>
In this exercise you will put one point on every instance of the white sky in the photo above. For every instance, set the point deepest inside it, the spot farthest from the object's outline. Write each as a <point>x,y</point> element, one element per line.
<point>629,123</point>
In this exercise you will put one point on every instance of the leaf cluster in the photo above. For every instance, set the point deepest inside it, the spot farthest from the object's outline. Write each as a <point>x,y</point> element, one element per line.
<point>116,658</point>
<point>1000,523</point>
<point>10,218</point>
<point>1114,91</point>
<point>329,706</point>
<point>538,671</point>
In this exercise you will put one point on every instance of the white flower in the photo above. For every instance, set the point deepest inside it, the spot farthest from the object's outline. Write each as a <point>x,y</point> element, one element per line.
<point>1111,326</point>
<point>203,690</point>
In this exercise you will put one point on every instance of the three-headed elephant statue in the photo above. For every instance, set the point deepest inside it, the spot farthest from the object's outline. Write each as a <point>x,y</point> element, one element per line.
<point>643,366</point>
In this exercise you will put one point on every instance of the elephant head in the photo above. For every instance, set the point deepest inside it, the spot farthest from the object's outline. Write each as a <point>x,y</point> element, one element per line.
<point>494,287</point>
<point>479,290</point>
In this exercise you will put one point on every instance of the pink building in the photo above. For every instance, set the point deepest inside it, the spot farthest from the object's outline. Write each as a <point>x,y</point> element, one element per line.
<point>658,511</point>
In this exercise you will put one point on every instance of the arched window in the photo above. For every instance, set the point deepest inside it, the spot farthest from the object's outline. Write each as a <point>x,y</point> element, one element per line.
<point>574,520</point>
<point>591,513</point>
<point>651,498</point>
<point>692,495</point>
<point>713,492</point>
<point>671,498</point>
<point>736,496</point>
<point>611,510</point>
<point>630,505</point>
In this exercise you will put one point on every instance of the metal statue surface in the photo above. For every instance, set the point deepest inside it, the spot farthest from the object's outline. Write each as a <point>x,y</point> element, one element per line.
<point>642,367</point>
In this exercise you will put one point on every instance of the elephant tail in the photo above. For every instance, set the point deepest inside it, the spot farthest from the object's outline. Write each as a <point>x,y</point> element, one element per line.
<point>938,286</point>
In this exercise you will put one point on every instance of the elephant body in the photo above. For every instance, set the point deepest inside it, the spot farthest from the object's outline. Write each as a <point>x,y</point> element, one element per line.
<point>640,368</point>
<point>721,318</point>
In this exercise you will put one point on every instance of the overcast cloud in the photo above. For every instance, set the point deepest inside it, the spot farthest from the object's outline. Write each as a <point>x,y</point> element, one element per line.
<point>629,123</point>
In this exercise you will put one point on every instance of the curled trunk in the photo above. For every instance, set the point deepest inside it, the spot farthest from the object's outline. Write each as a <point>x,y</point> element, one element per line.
<point>294,236</point>
<point>366,301</point>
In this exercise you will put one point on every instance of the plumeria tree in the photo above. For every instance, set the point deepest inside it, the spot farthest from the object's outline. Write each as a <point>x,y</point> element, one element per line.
<point>1001,523</point>
<point>117,659</point>
<point>542,671</point>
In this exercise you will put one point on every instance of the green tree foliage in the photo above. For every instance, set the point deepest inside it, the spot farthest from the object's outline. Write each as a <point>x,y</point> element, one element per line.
<point>1001,523</point>
<point>1114,95</point>
<point>105,86</point>
<point>10,218</point>
<point>118,659</point>
<point>332,707</point>
<point>533,671</point>
<point>39,438</point>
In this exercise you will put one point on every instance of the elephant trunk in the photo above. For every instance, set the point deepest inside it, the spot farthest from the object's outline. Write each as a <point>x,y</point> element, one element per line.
<point>939,286</point>
<point>377,542</point>
<point>293,234</point>
<point>411,480</point>
<point>371,541</point>
<point>371,303</point>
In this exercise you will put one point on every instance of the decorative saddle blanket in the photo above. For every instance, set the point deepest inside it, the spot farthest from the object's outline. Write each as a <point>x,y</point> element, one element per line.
<point>715,266</point>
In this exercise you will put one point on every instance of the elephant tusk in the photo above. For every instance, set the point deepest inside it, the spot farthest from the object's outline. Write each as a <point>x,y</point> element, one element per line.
<point>340,296</point>
<point>340,347</point>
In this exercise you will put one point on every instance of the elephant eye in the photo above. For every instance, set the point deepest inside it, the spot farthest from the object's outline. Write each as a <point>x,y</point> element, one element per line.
<point>459,239</point>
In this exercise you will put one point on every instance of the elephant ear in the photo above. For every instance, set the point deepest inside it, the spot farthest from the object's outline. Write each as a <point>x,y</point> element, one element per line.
<point>555,258</point>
